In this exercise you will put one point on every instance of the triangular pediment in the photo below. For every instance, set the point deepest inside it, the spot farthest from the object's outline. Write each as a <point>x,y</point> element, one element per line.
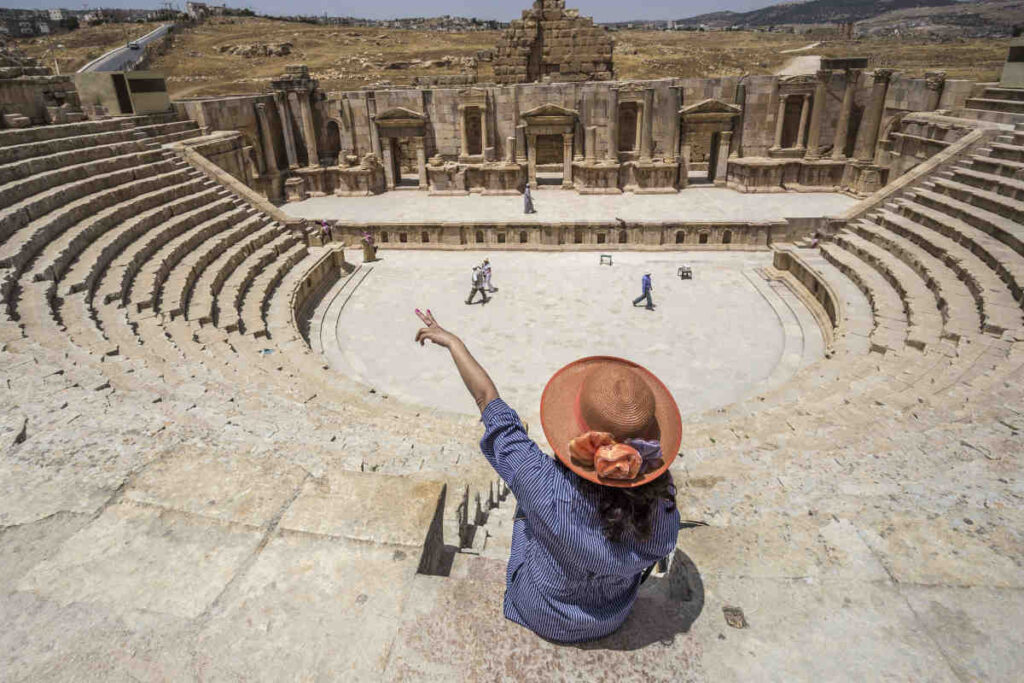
<point>399,113</point>
<point>710,106</point>
<point>549,110</point>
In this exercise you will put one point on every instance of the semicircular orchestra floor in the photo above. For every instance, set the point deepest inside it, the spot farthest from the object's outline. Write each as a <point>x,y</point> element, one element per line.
<point>726,334</point>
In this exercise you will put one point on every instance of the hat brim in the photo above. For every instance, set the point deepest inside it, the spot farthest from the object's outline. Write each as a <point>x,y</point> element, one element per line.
<point>558,418</point>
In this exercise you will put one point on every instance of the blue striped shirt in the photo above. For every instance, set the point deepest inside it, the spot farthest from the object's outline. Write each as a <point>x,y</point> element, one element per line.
<point>565,580</point>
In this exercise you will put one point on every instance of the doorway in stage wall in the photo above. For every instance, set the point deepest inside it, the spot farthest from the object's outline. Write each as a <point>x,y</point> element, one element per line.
<point>550,169</point>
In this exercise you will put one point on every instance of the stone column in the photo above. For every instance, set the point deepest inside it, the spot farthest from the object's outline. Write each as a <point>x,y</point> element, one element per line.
<point>269,151</point>
<point>802,131</point>
<point>421,164</point>
<point>464,132</point>
<point>308,129</point>
<point>521,147</point>
<point>510,150</point>
<point>613,126</point>
<point>780,118</point>
<point>843,126</point>
<point>867,136</point>
<point>590,144</point>
<point>286,124</point>
<point>483,133</point>
<point>722,163</point>
<point>934,81</point>
<point>685,151</point>
<point>817,113</point>
<point>531,153</point>
<point>389,163</point>
<point>673,154</point>
<point>647,139</point>
<point>567,139</point>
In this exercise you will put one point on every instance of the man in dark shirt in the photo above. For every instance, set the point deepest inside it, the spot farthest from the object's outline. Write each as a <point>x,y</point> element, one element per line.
<point>647,286</point>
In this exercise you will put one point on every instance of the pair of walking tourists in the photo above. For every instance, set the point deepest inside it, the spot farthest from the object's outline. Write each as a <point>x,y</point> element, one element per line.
<point>591,522</point>
<point>480,281</point>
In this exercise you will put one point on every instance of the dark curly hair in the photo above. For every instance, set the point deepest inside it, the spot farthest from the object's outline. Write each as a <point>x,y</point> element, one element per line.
<point>629,510</point>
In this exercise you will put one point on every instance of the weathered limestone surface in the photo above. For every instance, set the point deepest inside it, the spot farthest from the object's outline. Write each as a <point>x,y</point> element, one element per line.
<point>188,492</point>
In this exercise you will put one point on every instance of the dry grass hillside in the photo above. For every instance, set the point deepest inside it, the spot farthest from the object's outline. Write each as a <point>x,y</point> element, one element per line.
<point>240,55</point>
<point>77,48</point>
<point>649,54</point>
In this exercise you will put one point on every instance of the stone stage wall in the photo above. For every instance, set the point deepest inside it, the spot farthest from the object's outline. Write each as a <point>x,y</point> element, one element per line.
<point>842,128</point>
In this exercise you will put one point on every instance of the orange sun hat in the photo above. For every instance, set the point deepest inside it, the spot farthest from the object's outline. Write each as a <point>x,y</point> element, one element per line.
<point>614,395</point>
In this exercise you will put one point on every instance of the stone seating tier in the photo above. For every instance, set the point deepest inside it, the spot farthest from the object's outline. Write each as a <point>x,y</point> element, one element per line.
<point>97,256</point>
<point>203,304</point>
<point>121,275</point>
<point>150,277</point>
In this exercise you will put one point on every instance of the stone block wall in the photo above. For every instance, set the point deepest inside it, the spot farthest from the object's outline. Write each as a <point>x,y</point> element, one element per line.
<point>551,42</point>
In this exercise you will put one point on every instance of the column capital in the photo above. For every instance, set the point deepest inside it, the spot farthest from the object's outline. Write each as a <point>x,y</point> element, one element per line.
<point>883,75</point>
<point>823,75</point>
<point>934,80</point>
<point>261,107</point>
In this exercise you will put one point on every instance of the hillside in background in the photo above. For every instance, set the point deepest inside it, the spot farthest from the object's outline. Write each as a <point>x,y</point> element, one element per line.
<point>234,55</point>
<point>990,18</point>
<point>982,17</point>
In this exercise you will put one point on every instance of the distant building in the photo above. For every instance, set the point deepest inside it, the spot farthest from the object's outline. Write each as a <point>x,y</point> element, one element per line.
<point>56,14</point>
<point>200,10</point>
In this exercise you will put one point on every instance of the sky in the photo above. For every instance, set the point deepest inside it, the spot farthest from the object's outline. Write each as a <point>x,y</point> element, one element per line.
<point>504,10</point>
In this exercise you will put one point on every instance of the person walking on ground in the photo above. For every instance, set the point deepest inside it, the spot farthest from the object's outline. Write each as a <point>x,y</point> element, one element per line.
<point>648,288</point>
<point>487,276</point>
<point>528,200</point>
<point>591,524</point>
<point>477,281</point>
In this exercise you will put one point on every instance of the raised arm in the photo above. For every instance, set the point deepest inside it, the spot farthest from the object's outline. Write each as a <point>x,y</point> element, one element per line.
<point>476,379</point>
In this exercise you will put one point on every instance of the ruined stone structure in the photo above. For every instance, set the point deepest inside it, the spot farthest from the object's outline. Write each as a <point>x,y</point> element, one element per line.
<point>31,94</point>
<point>551,43</point>
<point>188,492</point>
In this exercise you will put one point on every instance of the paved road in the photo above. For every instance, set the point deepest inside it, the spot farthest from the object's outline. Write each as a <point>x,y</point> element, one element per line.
<point>123,58</point>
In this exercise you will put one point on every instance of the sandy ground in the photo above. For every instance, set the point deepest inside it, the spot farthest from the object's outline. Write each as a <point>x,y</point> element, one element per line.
<point>712,339</point>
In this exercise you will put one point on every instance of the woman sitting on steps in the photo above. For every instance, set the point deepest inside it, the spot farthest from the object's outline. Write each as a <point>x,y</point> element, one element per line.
<point>588,524</point>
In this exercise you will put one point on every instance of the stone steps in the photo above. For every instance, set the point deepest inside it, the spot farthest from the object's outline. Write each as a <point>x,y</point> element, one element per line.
<point>87,270</point>
<point>156,130</point>
<point>997,105</point>
<point>82,129</point>
<point>175,137</point>
<point>993,92</point>
<point>60,254</point>
<point>989,164</point>
<point>988,181</point>
<point>202,306</point>
<point>1003,206</point>
<point>23,246</point>
<point>121,273</point>
<point>14,193</point>
<point>1000,257</point>
<point>102,146</point>
<point>924,320</point>
<point>1003,229</point>
<point>144,291</point>
<point>257,298</point>
<point>999,310</point>
<point>891,324</point>
<point>228,305</point>
<point>19,215</point>
<point>953,299</point>
<point>1004,150</point>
